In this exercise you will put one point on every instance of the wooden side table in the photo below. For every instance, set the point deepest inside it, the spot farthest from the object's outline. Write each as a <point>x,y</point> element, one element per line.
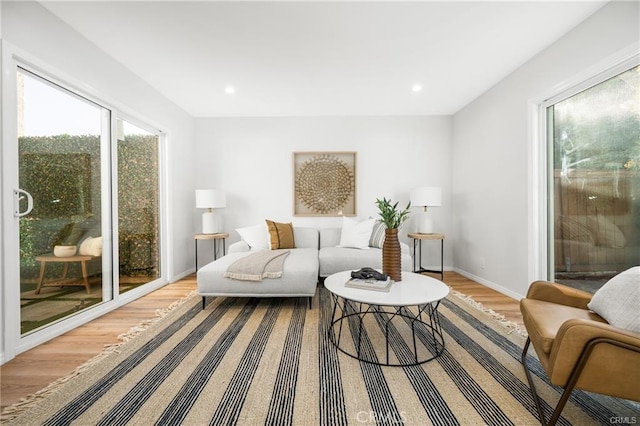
<point>417,239</point>
<point>215,237</point>
<point>62,281</point>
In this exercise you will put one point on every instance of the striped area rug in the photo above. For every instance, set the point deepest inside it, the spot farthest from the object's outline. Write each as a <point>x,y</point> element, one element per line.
<point>269,361</point>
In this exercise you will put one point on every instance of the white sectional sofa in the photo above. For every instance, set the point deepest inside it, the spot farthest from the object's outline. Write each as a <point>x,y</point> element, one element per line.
<point>316,255</point>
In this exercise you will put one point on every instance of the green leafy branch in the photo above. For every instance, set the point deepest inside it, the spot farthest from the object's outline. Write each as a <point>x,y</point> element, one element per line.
<point>390,215</point>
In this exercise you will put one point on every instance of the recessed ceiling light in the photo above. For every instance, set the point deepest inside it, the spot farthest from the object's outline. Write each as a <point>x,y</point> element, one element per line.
<point>416,88</point>
<point>230,90</point>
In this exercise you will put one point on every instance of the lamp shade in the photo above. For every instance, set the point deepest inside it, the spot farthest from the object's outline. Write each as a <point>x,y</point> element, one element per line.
<point>210,199</point>
<point>426,196</point>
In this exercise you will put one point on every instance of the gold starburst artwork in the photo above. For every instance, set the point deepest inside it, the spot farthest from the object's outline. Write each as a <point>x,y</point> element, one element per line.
<point>325,184</point>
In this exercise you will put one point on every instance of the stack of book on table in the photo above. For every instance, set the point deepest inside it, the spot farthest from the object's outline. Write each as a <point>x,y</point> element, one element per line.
<point>370,284</point>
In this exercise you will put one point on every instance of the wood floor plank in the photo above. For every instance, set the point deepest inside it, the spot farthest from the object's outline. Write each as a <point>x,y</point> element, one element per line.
<point>35,369</point>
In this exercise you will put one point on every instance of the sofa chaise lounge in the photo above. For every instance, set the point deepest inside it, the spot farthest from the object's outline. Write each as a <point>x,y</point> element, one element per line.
<point>299,278</point>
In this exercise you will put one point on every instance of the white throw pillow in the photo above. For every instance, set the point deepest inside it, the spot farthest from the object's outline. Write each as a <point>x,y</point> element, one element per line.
<point>91,247</point>
<point>356,234</point>
<point>257,236</point>
<point>618,300</point>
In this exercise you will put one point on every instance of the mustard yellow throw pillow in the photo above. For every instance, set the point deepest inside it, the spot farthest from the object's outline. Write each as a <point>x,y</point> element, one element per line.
<point>281,235</point>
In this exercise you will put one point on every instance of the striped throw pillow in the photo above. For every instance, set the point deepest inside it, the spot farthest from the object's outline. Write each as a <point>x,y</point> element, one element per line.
<point>377,235</point>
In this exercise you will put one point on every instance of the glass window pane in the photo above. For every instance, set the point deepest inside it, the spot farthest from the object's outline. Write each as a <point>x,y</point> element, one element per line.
<point>596,181</point>
<point>59,159</point>
<point>138,206</point>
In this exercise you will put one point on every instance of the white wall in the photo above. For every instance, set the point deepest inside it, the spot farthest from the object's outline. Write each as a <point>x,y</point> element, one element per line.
<point>491,164</point>
<point>251,159</point>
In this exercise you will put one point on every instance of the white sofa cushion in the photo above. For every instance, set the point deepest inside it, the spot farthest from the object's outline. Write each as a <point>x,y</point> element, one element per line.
<point>256,236</point>
<point>299,278</point>
<point>329,237</point>
<point>356,234</point>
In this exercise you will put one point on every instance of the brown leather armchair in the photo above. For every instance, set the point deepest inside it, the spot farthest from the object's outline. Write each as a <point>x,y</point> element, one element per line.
<point>577,348</point>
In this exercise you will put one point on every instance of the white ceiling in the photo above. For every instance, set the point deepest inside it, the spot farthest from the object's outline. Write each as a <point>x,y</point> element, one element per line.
<point>322,58</point>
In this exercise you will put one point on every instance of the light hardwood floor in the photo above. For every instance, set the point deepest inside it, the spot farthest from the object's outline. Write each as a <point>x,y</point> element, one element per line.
<point>36,368</point>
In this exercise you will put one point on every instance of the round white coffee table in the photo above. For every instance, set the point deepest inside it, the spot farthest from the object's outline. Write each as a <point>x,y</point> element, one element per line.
<point>411,303</point>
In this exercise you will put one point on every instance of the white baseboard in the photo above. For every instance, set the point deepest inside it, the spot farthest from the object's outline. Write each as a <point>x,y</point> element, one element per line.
<point>182,275</point>
<point>489,284</point>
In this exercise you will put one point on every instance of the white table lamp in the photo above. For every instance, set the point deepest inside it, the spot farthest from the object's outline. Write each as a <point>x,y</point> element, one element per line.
<point>210,199</point>
<point>426,196</point>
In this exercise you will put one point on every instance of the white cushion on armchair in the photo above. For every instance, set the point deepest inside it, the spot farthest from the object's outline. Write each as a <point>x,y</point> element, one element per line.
<point>618,300</point>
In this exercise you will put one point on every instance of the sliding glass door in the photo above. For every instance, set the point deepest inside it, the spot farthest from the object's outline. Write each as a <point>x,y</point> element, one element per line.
<point>61,140</point>
<point>594,181</point>
<point>85,231</point>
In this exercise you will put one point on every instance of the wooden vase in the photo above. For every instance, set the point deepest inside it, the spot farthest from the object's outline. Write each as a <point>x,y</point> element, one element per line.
<point>391,255</point>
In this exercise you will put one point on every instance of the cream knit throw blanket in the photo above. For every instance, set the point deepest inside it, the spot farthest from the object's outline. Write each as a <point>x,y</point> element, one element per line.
<point>258,265</point>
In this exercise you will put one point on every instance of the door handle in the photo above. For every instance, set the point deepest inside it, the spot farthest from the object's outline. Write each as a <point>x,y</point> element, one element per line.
<point>17,196</point>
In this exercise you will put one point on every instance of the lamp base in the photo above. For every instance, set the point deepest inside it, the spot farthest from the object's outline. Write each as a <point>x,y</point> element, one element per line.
<point>425,224</point>
<point>210,224</point>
